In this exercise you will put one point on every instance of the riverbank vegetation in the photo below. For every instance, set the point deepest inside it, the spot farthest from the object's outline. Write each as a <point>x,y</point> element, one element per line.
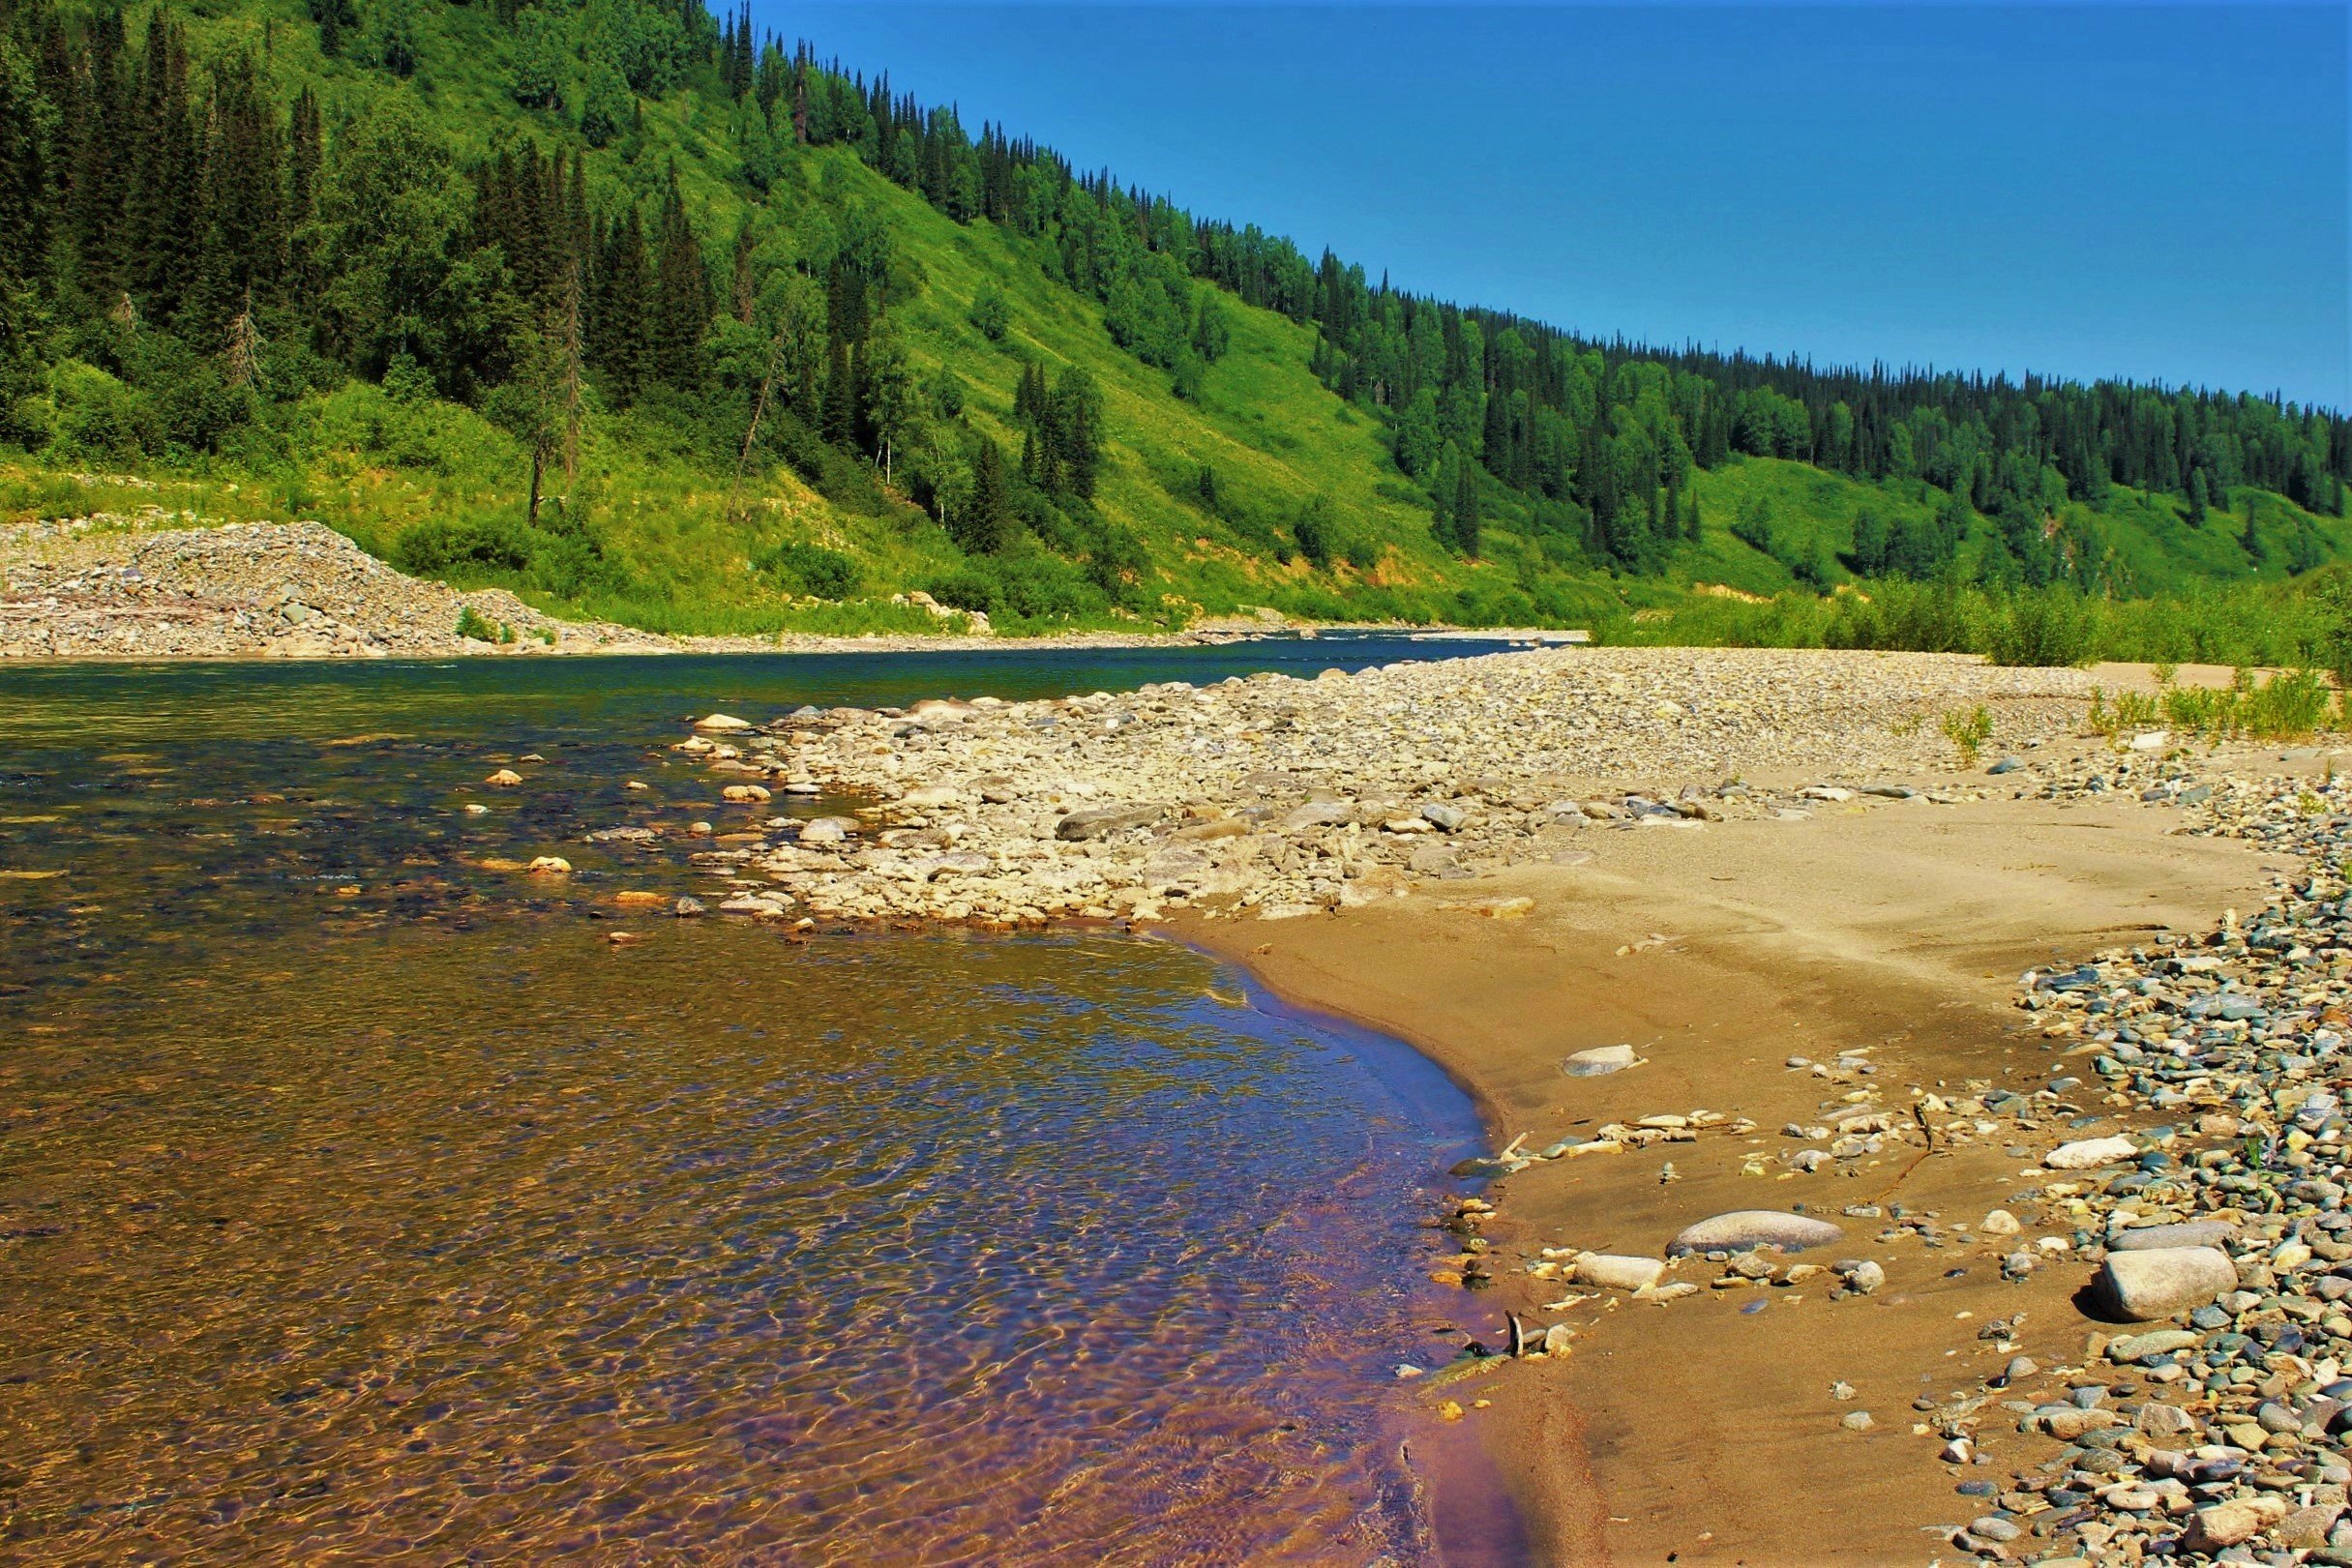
<point>651,317</point>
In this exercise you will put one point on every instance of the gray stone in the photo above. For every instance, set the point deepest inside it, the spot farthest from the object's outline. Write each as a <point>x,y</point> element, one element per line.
<point>2155,1237</point>
<point>1744,1228</point>
<point>1448,818</point>
<point>2161,1342</point>
<point>1100,821</point>
<point>1863,1275</point>
<point>2146,1285</point>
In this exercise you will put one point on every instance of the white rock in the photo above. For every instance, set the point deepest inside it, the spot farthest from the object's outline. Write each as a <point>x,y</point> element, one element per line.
<point>1619,1273</point>
<point>2090,1153</point>
<point>1597,1061</point>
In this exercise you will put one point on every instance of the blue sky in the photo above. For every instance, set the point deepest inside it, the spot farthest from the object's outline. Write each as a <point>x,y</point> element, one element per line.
<point>2084,190</point>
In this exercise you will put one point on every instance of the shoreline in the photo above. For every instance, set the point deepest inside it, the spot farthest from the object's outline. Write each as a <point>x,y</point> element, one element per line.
<point>301,591</point>
<point>1825,955</point>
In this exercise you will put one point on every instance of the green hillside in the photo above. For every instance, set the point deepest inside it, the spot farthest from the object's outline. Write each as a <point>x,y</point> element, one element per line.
<point>771,345</point>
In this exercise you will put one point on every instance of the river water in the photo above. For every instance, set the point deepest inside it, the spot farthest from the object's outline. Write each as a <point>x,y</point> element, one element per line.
<point>359,1199</point>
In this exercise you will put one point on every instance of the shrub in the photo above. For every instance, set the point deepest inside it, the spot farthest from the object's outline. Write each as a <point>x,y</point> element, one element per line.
<point>810,569</point>
<point>990,314</point>
<point>2044,627</point>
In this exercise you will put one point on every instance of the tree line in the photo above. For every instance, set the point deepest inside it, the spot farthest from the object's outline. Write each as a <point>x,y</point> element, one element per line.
<point>197,246</point>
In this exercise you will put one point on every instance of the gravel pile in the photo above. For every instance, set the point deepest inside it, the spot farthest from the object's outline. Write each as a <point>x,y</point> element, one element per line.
<point>1278,796</point>
<point>94,586</point>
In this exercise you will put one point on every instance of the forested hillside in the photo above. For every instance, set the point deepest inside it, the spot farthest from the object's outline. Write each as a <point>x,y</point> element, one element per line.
<point>643,313</point>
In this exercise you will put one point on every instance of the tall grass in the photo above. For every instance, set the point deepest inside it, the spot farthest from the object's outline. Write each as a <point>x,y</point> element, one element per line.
<point>2303,624</point>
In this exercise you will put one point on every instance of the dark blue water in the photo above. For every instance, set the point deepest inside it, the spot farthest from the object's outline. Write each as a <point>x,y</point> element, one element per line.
<point>611,697</point>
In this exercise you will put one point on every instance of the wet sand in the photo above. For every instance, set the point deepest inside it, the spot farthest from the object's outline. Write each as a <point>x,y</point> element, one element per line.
<point>1698,1433</point>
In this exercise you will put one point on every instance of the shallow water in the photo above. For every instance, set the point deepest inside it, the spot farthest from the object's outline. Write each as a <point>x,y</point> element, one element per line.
<point>358,1198</point>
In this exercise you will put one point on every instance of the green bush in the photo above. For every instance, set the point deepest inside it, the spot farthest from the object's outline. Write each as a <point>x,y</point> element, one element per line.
<point>809,569</point>
<point>2044,627</point>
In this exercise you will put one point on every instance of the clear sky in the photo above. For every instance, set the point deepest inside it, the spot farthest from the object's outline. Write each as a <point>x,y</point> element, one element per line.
<point>2086,190</point>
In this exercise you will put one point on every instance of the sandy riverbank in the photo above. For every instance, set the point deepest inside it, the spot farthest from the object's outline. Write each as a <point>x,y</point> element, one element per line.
<point>1697,1428</point>
<point>1806,912</point>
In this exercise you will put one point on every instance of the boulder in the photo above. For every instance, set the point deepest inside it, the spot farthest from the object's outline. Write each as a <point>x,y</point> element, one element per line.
<point>2143,1286</point>
<point>1599,1061</point>
<point>721,722</point>
<point>1744,1228</point>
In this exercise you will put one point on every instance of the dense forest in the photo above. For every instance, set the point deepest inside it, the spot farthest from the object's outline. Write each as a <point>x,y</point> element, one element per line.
<point>630,236</point>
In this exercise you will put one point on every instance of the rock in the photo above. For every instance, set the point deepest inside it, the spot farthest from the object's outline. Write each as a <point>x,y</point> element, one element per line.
<point>719,721</point>
<point>1619,1273</point>
<point>1862,1276</point>
<point>1318,813</point>
<point>1599,1061</point>
<point>744,793</point>
<point>1857,1421</point>
<point>552,866</point>
<point>1435,860</point>
<point>1101,822</point>
<point>2161,1342</point>
<point>2158,1237</point>
<point>2008,764</point>
<point>687,908</point>
<point>1447,817</point>
<point>828,829</point>
<point>1557,1339</point>
<point>2230,1524</point>
<point>930,797</point>
<point>2090,1153</point>
<point>1744,1228</point>
<point>2068,1422</point>
<point>2142,1287</point>
<point>504,778</point>
<point>1999,1223</point>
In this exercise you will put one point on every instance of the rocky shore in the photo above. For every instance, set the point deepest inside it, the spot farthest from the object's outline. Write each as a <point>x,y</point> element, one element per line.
<point>1278,797</point>
<point>296,590</point>
<point>140,587</point>
<point>2099,1258</point>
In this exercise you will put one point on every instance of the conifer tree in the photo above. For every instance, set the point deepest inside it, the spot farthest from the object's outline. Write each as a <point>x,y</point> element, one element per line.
<point>987,524</point>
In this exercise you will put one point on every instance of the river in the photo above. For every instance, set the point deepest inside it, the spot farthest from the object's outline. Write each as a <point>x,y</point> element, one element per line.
<point>358,1198</point>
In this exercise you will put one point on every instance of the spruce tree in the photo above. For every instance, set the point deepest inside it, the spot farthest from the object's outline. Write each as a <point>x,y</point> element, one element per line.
<point>987,524</point>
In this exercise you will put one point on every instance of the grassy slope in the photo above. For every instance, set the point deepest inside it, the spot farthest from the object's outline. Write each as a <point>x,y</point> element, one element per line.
<point>2155,549</point>
<point>1276,436</point>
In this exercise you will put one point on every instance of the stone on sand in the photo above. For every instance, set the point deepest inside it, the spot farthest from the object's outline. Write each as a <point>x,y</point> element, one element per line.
<point>1744,1228</point>
<point>1597,1061</point>
<point>2143,1286</point>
